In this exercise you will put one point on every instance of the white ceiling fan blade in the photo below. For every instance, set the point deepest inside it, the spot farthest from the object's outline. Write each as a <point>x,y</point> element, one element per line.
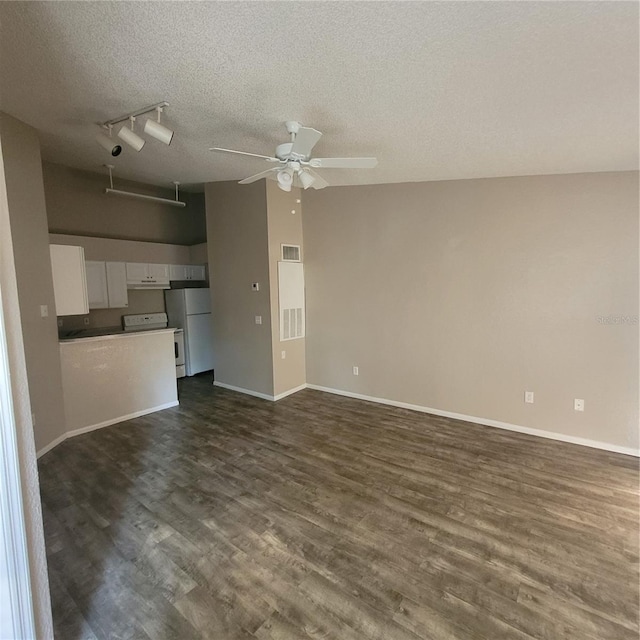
<point>319,182</point>
<point>306,139</point>
<point>343,163</point>
<point>244,153</point>
<point>263,174</point>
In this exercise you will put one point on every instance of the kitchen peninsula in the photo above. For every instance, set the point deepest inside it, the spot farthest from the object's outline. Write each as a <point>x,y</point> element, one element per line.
<point>111,378</point>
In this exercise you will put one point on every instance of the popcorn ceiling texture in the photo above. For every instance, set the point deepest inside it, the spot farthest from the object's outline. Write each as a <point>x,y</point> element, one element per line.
<point>434,90</point>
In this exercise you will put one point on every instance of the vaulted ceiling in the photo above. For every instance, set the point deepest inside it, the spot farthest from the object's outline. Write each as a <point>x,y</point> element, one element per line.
<point>435,90</point>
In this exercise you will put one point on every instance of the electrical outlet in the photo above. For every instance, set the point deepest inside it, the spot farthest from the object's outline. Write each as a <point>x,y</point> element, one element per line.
<point>356,371</point>
<point>86,321</point>
<point>528,397</point>
<point>44,311</point>
<point>578,404</point>
<point>258,319</point>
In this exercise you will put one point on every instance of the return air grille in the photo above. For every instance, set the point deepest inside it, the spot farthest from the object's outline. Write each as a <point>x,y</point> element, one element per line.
<point>292,325</point>
<point>291,252</point>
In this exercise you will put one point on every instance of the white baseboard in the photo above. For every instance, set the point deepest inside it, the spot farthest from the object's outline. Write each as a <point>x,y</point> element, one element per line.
<point>284,394</point>
<point>487,422</point>
<point>249,392</point>
<point>257,394</point>
<point>106,423</point>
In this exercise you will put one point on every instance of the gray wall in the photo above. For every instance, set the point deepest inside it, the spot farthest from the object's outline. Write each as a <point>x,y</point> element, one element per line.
<point>28,219</point>
<point>461,295</point>
<point>10,311</point>
<point>77,205</point>
<point>238,256</point>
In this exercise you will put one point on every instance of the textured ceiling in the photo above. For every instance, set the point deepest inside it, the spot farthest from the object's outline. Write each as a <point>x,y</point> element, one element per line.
<point>434,90</point>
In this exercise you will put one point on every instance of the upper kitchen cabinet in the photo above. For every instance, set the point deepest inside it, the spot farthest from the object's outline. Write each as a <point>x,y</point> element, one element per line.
<point>107,285</point>
<point>187,272</point>
<point>147,276</point>
<point>69,280</point>
<point>97,285</point>
<point>117,285</point>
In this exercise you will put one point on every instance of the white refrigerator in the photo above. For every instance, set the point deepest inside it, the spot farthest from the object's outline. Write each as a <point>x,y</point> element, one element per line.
<point>190,309</point>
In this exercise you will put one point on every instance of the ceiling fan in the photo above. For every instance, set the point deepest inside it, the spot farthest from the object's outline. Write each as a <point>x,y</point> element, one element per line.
<point>295,166</point>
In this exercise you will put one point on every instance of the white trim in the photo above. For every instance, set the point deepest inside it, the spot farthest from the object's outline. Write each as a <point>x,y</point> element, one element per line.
<point>106,423</point>
<point>248,392</point>
<point>14,563</point>
<point>257,394</point>
<point>284,394</point>
<point>487,422</point>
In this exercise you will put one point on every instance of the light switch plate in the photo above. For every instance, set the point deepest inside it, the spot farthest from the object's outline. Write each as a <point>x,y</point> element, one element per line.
<point>578,404</point>
<point>528,397</point>
<point>356,371</point>
<point>255,286</point>
<point>258,319</point>
<point>44,311</point>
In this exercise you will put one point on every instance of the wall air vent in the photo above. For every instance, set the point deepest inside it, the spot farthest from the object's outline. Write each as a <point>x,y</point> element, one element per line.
<point>292,325</point>
<point>291,252</point>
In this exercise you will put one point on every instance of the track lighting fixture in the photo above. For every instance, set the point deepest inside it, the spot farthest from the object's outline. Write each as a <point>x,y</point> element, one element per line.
<point>108,143</point>
<point>158,131</point>
<point>131,138</point>
<point>285,179</point>
<point>128,135</point>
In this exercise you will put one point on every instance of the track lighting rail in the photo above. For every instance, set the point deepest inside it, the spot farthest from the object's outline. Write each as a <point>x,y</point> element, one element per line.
<point>135,114</point>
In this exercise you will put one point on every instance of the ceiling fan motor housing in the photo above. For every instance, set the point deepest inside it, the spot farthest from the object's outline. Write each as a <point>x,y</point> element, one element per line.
<point>283,152</point>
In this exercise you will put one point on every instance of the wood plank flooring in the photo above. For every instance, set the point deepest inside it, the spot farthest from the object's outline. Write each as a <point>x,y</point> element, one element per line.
<point>319,516</point>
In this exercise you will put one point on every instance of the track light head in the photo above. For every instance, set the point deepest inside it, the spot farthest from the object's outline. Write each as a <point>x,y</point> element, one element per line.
<point>158,131</point>
<point>107,143</point>
<point>131,138</point>
<point>285,179</point>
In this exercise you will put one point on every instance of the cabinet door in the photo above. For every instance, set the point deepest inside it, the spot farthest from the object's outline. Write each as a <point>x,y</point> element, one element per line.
<point>197,272</point>
<point>137,272</point>
<point>158,273</point>
<point>69,280</point>
<point>178,272</point>
<point>96,285</point>
<point>117,285</point>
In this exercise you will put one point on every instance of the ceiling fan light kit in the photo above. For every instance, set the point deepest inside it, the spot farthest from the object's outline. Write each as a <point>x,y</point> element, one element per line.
<point>295,162</point>
<point>128,135</point>
<point>141,196</point>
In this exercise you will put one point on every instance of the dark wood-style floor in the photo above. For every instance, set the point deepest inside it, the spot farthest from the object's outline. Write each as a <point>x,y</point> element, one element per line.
<point>230,517</point>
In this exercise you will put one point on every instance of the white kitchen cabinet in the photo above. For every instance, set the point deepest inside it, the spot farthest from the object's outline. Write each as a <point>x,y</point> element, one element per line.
<point>143,274</point>
<point>107,285</point>
<point>69,280</point>
<point>97,285</point>
<point>178,271</point>
<point>187,272</point>
<point>117,284</point>
<point>159,272</point>
<point>197,272</point>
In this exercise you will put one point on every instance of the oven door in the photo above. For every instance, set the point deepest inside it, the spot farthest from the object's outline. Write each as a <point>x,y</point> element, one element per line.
<point>178,345</point>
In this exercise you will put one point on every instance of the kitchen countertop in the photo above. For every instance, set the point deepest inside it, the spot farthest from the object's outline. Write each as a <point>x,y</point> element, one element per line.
<point>86,335</point>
